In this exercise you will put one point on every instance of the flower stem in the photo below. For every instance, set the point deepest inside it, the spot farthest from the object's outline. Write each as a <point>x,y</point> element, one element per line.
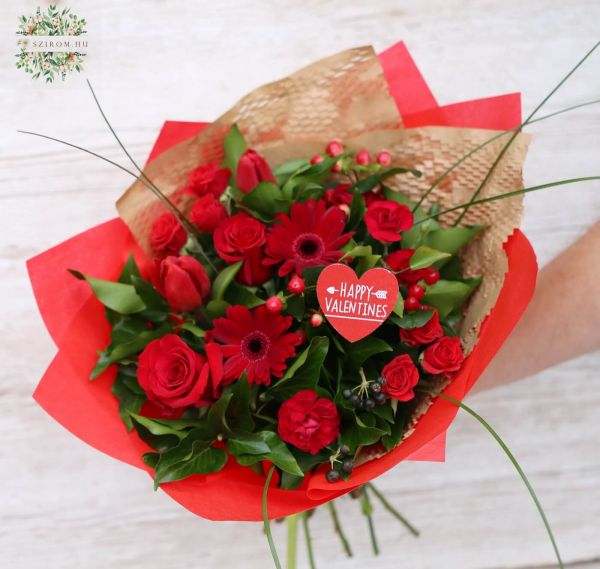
<point>367,509</point>
<point>266,522</point>
<point>392,510</point>
<point>309,547</point>
<point>514,462</point>
<point>338,528</point>
<point>292,541</point>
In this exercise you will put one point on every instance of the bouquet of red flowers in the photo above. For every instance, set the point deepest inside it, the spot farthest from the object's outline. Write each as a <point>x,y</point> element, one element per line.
<point>328,269</point>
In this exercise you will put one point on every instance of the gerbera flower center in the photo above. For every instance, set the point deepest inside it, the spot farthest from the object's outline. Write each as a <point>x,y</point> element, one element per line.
<point>255,346</point>
<point>308,246</point>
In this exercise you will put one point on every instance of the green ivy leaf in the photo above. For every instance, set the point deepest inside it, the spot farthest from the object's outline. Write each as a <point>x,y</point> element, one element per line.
<point>448,296</point>
<point>238,294</point>
<point>224,279</point>
<point>121,298</point>
<point>358,352</point>
<point>278,454</point>
<point>413,319</point>
<point>131,397</point>
<point>266,199</point>
<point>157,308</point>
<point>234,146</point>
<point>424,257</point>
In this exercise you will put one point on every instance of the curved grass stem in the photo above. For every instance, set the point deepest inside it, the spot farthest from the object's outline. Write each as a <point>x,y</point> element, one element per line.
<point>338,528</point>
<point>384,502</point>
<point>266,523</point>
<point>309,547</point>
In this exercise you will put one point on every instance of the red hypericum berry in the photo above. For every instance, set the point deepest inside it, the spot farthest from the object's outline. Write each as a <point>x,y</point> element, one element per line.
<point>316,320</point>
<point>334,148</point>
<point>384,158</point>
<point>274,304</point>
<point>296,285</point>
<point>416,291</point>
<point>363,158</point>
<point>432,276</point>
<point>411,303</point>
<point>337,167</point>
<point>345,208</point>
<point>316,159</point>
<point>302,338</point>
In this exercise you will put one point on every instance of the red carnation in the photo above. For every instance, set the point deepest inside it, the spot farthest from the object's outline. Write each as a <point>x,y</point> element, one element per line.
<point>252,169</point>
<point>207,212</point>
<point>338,195</point>
<point>255,342</point>
<point>399,262</point>
<point>207,179</point>
<point>308,422</point>
<point>401,375</point>
<point>183,282</point>
<point>311,235</point>
<point>430,331</point>
<point>241,238</point>
<point>167,237</point>
<point>173,375</point>
<point>443,357</point>
<point>385,220</point>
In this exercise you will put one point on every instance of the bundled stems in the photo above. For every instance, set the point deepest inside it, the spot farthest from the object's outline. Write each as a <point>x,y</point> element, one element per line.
<point>292,541</point>
<point>367,509</point>
<point>266,523</point>
<point>514,462</point>
<point>307,536</point>
<point>338,529</point>
<point>392,510</point>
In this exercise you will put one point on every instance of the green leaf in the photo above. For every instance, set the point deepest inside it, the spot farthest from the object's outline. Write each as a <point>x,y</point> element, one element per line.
<point>413,319</point>
<point>224,279</point>
<point>284,171</point>
<point>234,146</point>
<point>357,211</point>
<point>398,309</point>
<point>448,296</point>
<point>371,182</point>
<point>130,399</point>
<point>216,308</point>
<point>247,443</point>
<point>357,251</point>
<point>216,418</point>
<point>193,329</point>
<point>424,257</point>
<point>358,352</point>
<point>239,410</point>
<point>239,294</point>
<point>451,239</point>
<point>278,454</point>
<point>129,269</point>
<point>267,200</point>
<point>295,307</point>
<point>398,426</point>
<point>303,373</point>
<point>157,308</point>
<point>121,298</point>
<point>155,427</point>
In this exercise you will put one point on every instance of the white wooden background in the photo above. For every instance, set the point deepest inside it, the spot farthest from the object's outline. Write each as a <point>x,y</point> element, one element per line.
<point>63,505</point>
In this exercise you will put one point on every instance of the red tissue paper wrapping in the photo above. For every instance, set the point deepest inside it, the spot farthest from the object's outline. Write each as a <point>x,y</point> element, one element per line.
<point>77,324</point>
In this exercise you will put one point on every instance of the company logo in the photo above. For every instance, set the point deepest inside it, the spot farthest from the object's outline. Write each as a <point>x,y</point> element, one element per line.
<point>51,43</point>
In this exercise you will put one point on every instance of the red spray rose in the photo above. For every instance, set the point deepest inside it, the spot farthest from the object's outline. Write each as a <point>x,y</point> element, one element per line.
<point>251,170</point>
<point>183,282</point>
<point>167,237</point>
<point>385,220</point>
<point>207,212</point>
<point>338,195</point>
<point>173,375</point>
<point>310,235</point>
<point>256,342</point>
<point>401,375</point>
<point>399,261</point>
<point>430,331</point>
<point>241,238</point>
<point>443,357</point>
<point>308,422</point>
<point>207,179</point>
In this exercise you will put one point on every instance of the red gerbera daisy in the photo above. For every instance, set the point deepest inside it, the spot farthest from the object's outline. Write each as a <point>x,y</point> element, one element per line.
<point>310,235</point>
<point>255,342</point>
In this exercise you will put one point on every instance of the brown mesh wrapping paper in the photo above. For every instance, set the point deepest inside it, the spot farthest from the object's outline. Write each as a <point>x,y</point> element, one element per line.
<point>346,97</point>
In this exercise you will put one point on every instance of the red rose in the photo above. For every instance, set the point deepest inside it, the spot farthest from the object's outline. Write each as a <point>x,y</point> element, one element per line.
<point>175,376</point>
<point>443,357</point>
<point>430,331</point>
<point>251,170</point>
<point>241,238</point>
<point>167,237</point>
<point>207,213</point>
<point>308,422</point>
<point>207,179</point>
<point>385,220</point>
<point>401,375</point>
<point>183,282</point>
<point>399,262</point>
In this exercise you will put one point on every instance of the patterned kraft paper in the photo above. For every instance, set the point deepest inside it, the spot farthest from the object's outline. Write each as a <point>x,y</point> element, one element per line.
<point>346,97</point>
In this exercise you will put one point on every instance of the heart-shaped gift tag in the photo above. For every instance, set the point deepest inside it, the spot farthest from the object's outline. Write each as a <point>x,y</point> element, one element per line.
<point>354,306</point>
